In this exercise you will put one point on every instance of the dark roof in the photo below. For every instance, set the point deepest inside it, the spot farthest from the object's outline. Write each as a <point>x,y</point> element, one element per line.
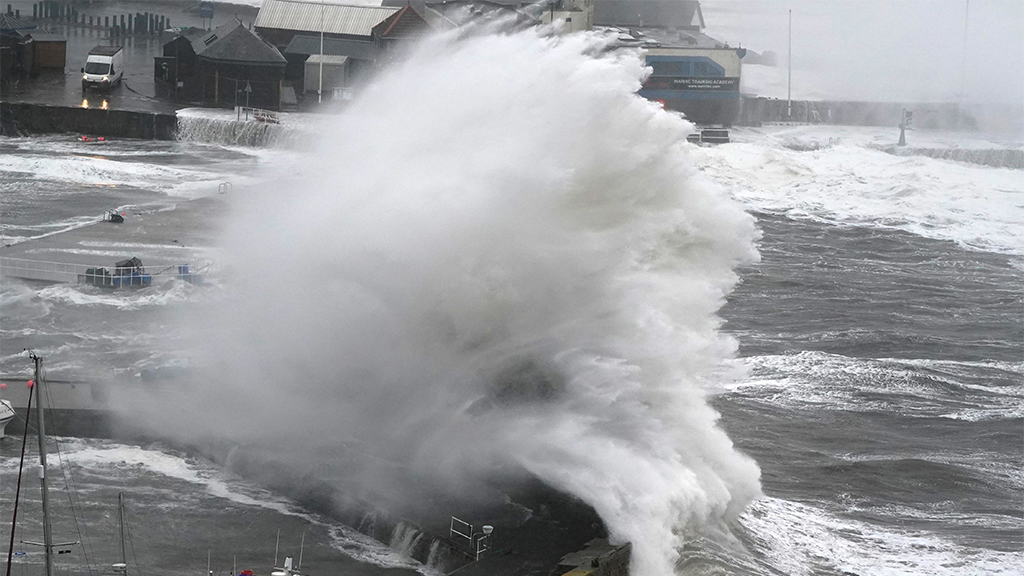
<point>233,42</point>
<point>39,36</point>
<point>191,33</point>
<point>357,49</point>
<point>8,23</point>
<point>649,13</point>
<point>406,23</point>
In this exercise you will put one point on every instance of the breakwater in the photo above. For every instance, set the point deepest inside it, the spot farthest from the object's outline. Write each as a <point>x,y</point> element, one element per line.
<point>755,111</point>
<point>21,119</point>
<point>995,157</point>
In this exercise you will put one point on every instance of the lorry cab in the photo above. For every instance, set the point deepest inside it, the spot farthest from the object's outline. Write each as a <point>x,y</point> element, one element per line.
<point>103,68</point>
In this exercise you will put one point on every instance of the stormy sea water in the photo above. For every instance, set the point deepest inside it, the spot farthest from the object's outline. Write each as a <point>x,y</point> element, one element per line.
<point>867,353</point>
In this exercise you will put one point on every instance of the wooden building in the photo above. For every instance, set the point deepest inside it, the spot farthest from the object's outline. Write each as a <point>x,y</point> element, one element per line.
<point>228,66</point>
<point>50,50</point>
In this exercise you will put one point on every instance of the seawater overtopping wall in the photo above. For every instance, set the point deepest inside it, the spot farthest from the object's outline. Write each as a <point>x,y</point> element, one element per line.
<point>22,119</point>
<point>212,126</point>
<point>221,127</point>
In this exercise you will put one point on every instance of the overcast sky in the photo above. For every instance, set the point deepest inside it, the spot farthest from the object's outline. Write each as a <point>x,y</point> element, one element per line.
<point>885,49</point>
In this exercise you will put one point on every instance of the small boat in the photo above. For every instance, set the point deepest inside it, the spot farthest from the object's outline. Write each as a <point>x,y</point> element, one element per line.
<point>127,273</point>
<point>6,415</point>
<point>113,217</point>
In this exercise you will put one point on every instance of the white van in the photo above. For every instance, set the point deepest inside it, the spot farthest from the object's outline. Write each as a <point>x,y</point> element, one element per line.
<point>103,68</point>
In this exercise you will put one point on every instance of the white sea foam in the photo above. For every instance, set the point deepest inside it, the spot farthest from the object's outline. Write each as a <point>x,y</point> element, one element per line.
<point>802,540</point>
<point>835,382</point>
<point>97,171</point>
<point>51,228</point>
<point>366,549</point>
<point>976,206</point>
<point>127,299</point>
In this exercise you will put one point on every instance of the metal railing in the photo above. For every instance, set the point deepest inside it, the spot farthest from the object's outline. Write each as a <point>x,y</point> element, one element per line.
<point>479,542</point>
<point>245,113</point>
<point>460,528</point>
<point>79,273</point>
<point>41,270</point>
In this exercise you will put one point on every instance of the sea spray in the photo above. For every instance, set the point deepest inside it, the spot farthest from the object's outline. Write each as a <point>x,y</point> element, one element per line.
<point>498,258</point>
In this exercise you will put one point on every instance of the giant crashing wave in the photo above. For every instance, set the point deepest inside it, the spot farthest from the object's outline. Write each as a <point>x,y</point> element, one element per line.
<point>499,258</point>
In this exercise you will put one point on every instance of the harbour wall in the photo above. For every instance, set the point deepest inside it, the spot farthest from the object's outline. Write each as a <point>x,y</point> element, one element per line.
<point>22,118</point>
<point>1007,118</point>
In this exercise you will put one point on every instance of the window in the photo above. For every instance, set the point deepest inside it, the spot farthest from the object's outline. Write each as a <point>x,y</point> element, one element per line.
<point>97,68</point>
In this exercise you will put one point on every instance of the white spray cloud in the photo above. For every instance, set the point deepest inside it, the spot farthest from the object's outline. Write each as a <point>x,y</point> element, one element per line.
<point>499,257</point>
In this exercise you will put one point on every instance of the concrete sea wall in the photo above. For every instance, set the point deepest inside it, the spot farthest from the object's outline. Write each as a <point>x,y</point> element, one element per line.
<point>19,119</point>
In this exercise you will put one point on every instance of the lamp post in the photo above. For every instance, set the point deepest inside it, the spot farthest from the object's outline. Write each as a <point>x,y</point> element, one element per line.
<point>789,81</point>
<point>483,543</point>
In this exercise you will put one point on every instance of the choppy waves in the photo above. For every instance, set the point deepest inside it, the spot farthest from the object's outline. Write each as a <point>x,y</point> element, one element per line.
<point>916,388</point>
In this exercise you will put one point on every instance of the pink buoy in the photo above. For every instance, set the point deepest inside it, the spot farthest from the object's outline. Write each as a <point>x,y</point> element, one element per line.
<point>3,386</point>
<point>31,383</point>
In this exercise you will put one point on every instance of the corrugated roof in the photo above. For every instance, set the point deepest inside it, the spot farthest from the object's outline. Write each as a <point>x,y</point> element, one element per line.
<point>327,59</point>
<point>9,22</point>
<point>358,49</point>
<point>307,16</point>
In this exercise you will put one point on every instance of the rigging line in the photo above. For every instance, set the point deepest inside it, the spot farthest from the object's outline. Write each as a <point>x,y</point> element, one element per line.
<point>17,492</point>
<point>69,481</point>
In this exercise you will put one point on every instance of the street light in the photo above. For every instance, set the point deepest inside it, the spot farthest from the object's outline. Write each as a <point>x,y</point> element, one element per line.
<point>483,543</point>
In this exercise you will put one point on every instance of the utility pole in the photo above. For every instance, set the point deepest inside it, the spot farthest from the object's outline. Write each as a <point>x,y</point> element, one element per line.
<point>320,88</point>
<point>789,83</point>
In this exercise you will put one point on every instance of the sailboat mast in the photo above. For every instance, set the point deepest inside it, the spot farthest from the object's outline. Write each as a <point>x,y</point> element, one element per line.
<point>41,425</point>
<point>120,524</point>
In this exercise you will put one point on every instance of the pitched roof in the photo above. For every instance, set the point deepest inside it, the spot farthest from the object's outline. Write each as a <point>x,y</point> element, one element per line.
<point>650,13</point>
<point>307,16</point>
<point>233,42</point>
<point>406,23</point>
<point>358,49</point>
<point>8,23</point>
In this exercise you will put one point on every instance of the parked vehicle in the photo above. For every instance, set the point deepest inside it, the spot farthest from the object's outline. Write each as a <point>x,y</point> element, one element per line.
<point>103,69</point>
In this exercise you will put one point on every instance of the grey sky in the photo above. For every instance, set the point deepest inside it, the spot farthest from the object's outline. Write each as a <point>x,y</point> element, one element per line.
<point>885,49</point>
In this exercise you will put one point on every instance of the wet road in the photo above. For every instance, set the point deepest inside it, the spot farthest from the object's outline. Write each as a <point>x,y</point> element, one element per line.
<point>138,90</point>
